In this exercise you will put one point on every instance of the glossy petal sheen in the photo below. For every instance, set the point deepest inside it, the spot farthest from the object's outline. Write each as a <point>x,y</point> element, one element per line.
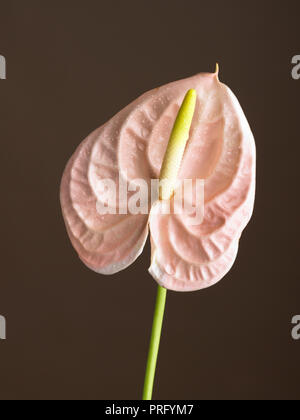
<point>132,145</point>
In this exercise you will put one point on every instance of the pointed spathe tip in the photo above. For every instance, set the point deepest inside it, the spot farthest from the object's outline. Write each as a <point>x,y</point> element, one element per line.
<point>217,70</point>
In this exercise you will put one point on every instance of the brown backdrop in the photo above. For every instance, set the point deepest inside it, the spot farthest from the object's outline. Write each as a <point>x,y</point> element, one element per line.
<point>73,334</point>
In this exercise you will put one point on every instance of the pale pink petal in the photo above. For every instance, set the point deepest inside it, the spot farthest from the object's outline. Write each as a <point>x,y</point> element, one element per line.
<point>132,145</point>
<point>105,243</point>
<point>221,150</point>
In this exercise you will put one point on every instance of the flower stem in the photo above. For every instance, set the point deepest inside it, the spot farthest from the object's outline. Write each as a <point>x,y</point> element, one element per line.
<point>169,171</point>
<point>154,342</point>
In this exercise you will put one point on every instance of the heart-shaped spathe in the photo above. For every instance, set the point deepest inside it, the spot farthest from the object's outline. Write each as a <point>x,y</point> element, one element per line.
<point>132,145</point>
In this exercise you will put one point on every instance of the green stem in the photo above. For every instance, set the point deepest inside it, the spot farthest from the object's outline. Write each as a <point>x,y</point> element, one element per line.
<point>169,172</point>
<point>154,342</point>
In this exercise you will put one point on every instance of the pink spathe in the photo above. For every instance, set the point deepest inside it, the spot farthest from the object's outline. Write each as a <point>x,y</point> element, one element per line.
<point>220,150</point>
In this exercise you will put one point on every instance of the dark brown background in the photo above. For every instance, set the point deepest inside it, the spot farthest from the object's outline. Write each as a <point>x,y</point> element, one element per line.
<point>73,334</point>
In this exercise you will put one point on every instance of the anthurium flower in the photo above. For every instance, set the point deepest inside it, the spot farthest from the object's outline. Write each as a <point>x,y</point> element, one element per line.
<point>131,146</point>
